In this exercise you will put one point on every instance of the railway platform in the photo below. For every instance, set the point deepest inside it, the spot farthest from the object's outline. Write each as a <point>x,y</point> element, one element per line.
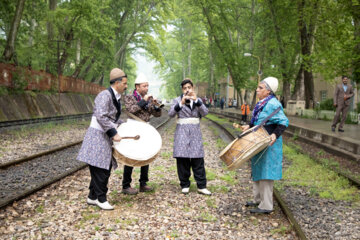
<point>317,132</point>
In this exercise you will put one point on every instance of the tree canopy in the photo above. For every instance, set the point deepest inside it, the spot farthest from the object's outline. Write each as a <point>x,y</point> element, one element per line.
<point>201,39</point>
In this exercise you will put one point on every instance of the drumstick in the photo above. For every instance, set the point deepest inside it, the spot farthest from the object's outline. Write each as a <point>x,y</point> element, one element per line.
<point>135,138</point>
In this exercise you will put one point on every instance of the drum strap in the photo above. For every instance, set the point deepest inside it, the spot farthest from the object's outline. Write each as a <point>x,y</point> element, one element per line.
<point>268,117</point>
<point>262,123</point>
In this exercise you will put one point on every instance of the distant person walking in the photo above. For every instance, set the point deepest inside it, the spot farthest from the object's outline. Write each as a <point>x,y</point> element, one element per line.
<point>245,110</point>
<point>342,95</point>
<point>222,102</point>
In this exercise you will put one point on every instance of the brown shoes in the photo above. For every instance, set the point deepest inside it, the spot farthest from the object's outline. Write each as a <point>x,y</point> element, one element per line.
<point>130,191</point>
<point>146,188</point>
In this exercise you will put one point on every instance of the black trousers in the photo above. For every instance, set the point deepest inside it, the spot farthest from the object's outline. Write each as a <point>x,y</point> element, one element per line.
<point>198,168</point>
<point>98,184</point>
<point>244,117</point>
<point>144,176</point>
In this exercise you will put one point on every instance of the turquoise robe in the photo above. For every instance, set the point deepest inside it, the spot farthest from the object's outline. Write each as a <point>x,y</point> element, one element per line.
<point>268,163</point>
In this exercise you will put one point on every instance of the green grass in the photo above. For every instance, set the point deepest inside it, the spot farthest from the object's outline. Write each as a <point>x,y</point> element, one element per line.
<point>210,174</point>
<point>217,119</point>
<point>220,144</point>
<point>229,177</point>
<point>166,155</point>
<point>211,203</point>
<point>206,217</point>
<point>305,172</point>
<point>40,208</point>
<point>118,172</point>
<point>282,230</point>
<point>218,188</point>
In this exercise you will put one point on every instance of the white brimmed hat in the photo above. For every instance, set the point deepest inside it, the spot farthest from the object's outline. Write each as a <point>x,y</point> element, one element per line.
<point>141,78</point>
<point>272,82</point>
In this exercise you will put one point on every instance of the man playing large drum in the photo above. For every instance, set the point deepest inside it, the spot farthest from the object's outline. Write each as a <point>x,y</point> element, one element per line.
<point>143,106</point>
<point>188,144</point>
<point>266,166</point>
<point>96,149</point>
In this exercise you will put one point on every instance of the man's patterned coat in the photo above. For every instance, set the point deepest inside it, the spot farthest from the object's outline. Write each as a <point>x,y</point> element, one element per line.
<point>141,109</point>
<point>188,139</point>
<point>96,149</point>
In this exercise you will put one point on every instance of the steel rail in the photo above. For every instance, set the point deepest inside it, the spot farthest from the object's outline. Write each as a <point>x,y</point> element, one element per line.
<point>55,178</point>
<point>22,122</point>
<point>286,210</point>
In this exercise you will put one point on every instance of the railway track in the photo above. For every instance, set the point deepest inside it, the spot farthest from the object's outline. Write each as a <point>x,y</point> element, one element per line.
<point>350,178</point>
<point>22,177</point>
<point>277,195</point>
<point>23,122</point>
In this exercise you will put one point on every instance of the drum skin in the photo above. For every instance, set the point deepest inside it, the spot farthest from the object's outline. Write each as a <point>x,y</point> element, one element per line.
<point>242,149</point>
<point>137,153</point>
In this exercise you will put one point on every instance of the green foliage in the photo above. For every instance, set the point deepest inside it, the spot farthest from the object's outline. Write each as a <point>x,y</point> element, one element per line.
<point>327,104</point>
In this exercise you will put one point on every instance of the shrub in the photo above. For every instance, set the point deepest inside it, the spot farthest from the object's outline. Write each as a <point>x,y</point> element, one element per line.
<point>327,104</point>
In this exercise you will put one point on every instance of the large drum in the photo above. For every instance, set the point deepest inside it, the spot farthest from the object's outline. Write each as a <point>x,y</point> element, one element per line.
<point>137,152</point>
<point>245,147</point>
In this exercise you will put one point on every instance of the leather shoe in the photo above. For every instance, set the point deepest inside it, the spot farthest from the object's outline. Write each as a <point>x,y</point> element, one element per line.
<point>146,188</point>
<point>251,204</point>
<point>204,191</point>
<point>105,205</point>
<point>130,191</point>
<point>258,210</point>
<point>185,190</point>
<point>333,129</point>
<point>341,130</point>
<point>91,202</point>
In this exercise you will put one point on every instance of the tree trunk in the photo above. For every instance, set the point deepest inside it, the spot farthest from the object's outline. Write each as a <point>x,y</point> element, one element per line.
<point>50,32</point>
<point>283,63</point>
<point>211,68</point>
<point>87,69</point>
<point>356,18</point>
<point>299,85</point>
<point>183,65</point>
<point>189,56</point>
<point>306,40</point>
<point>10,42</point>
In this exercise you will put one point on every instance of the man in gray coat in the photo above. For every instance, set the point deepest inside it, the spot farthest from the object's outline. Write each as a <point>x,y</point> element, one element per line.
<point>342,95</point>
<point>96,149</point>
<point>188,144</point>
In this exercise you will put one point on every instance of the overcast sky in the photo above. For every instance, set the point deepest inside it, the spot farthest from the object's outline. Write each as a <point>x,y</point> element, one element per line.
<point>147,67</point>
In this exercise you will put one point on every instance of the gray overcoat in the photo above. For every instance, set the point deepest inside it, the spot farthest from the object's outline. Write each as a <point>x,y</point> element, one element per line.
<point>96,149</point>
<point>188,139</point>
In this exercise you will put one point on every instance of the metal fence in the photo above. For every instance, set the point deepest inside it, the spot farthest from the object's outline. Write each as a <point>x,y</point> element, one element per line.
<point>16,77</point>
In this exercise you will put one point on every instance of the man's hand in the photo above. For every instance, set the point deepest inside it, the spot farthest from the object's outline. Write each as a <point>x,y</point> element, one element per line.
<point>192,96</point>
<point>273,139</point>
<point>245,127</point>
<point>184,99</point>
<point>147,97</point>
<point>117,138</point>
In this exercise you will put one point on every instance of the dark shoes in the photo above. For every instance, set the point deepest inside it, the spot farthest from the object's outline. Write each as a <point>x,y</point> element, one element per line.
<point>341,130</point>
<point>258,210</point>
<point>146,188</point>
<point>251,204</point>
<point>130,191</point>
<point>333,129</point>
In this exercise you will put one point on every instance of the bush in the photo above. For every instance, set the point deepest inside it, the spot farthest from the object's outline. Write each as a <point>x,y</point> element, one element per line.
<point>327,104</point>
<point>358,107</point>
